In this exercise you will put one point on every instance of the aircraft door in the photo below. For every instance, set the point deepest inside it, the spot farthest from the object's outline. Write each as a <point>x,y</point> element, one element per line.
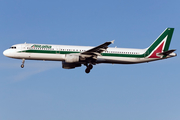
<point>58,51</point>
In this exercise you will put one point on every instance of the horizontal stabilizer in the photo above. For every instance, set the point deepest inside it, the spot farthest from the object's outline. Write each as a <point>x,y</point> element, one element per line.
<point>166,52</point>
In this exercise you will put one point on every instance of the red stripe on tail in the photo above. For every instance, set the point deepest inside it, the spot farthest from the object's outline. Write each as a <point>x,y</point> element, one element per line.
<point>158,50</point>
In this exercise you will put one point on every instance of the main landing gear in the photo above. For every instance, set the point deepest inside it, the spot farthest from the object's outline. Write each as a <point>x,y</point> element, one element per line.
<point>22,65</point>
<point>89,67</point>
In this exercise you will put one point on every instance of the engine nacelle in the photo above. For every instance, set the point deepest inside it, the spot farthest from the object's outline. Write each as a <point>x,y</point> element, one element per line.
<point>66,65</point>
<point>71,58</point>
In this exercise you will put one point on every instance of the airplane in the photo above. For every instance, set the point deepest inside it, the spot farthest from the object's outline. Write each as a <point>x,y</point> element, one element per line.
<point>76,56</point>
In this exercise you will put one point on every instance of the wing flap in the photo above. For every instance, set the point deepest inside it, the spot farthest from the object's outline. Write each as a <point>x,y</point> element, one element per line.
<point>99,49</point>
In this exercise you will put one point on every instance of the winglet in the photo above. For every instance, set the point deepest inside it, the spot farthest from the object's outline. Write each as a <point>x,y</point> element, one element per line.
<point>112,41</point>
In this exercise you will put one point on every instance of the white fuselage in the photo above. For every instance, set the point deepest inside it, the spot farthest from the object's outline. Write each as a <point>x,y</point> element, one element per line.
<point>75,56</point>
<point>58,53</point>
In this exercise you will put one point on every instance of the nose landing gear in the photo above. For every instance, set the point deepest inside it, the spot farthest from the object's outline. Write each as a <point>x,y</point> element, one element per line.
<point>89,67</point>
<point>22,65</point>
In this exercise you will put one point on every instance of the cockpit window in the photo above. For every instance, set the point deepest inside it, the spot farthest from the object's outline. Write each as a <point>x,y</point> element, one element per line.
<point>12,47</point>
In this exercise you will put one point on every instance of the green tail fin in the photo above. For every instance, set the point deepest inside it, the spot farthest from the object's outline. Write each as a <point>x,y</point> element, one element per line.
<point>161,44</point>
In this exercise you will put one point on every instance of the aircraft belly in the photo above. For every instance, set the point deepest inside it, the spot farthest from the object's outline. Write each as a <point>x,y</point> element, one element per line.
<point>56,57</point>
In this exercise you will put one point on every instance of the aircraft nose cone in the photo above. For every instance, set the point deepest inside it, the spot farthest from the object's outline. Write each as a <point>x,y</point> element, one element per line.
<point>5,53</point>
<point>8,53</point>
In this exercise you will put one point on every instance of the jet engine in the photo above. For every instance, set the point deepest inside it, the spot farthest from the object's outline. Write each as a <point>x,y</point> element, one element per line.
<point>66,65</point>
<point>71,58</point>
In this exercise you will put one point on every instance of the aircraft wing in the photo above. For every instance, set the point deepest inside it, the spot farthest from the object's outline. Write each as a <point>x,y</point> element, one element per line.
<point>98,50</point>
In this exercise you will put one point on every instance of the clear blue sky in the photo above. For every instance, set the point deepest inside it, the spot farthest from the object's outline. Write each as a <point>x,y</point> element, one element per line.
<point>45,91</point>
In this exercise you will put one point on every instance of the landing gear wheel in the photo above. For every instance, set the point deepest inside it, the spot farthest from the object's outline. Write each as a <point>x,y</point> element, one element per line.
<point>87,70</point>
<point>22,66</point>
<point>90,66</point>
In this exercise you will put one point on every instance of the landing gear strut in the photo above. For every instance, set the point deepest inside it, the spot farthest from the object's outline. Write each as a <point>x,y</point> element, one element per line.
<point>22,65</point>
<point>89,67</point>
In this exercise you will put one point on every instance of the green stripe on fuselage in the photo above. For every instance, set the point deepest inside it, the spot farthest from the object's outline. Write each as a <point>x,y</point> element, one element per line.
<point>70,52</point>
<point>48,51</point>
<point>122,55</point>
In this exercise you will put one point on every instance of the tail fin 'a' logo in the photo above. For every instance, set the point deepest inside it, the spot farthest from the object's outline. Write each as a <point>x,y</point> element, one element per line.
<point>161,44</point>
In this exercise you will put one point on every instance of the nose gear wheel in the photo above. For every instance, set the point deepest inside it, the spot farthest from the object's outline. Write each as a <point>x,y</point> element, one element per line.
<point>22,65</point>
